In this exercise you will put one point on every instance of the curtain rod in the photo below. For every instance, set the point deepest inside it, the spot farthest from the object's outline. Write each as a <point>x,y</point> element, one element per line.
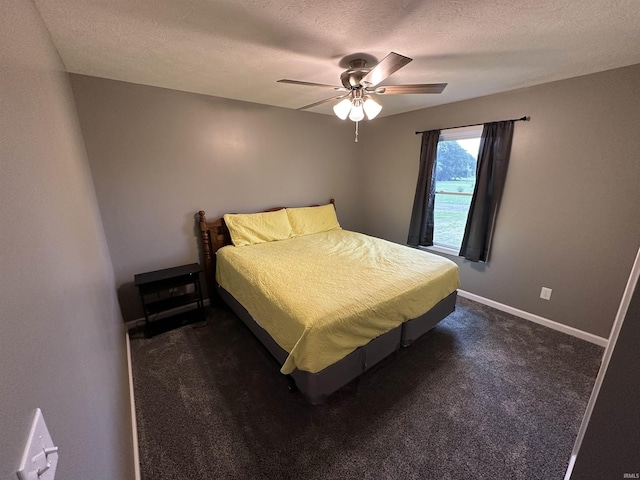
<point>521,119</point>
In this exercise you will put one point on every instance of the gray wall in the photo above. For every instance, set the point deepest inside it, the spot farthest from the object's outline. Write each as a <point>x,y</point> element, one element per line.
<point>158,156</point>
<point>569,216</point>
<point>62,345</point>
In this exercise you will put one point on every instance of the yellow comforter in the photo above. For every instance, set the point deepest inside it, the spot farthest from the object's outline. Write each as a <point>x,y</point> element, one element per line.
<point>321,296</point>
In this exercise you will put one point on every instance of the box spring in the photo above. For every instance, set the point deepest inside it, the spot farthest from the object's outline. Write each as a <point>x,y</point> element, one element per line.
<point>316,387</point>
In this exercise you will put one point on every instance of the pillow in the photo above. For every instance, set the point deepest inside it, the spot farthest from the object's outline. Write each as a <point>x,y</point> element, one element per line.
<point>307,220</point>
<point>252,228</point>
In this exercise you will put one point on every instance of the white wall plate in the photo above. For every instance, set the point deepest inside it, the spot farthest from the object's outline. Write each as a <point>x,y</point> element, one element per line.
<point>40,457</point>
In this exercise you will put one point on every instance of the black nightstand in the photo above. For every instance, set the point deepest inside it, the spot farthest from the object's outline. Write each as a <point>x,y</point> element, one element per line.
<point>158,291</point>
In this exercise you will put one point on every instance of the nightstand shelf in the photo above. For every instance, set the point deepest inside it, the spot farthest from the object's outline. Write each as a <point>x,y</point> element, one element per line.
<point>159,306</point>
<point>164,290</point>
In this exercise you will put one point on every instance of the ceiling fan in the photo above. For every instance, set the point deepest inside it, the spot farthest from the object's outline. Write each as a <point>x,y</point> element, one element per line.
<point>360,83</point>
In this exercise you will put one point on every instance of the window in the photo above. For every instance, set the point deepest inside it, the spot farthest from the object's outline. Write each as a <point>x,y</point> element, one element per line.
<point>455,180</point>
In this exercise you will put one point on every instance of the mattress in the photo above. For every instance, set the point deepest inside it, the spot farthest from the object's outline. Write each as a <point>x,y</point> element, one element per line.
<point>322,296</point>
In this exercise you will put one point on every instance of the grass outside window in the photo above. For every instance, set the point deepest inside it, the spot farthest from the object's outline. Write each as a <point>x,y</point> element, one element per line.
<point>451,211</point>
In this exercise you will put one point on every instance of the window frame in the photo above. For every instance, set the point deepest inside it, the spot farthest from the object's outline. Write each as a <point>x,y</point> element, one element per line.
<point>454,134</point>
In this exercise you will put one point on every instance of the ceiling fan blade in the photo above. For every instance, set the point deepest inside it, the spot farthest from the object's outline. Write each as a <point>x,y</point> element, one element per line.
<point>388,65</point>
<point>324,101</point>
<point>311,84</point>
<point>408,89</point>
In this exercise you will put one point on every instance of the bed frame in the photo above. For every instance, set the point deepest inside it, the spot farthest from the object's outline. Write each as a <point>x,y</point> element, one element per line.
<point>316,387</point>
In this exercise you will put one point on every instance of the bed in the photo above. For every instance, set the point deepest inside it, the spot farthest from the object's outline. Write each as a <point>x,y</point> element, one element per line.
<point>328,303</point>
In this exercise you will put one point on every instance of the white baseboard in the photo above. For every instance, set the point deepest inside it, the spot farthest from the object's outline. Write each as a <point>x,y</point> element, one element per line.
<point>574,332</point>
<point>134,425</point>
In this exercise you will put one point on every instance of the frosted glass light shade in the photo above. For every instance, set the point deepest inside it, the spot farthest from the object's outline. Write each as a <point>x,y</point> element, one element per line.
<point>371,108</point>
<point>356,113</point>
<point>342,109</point>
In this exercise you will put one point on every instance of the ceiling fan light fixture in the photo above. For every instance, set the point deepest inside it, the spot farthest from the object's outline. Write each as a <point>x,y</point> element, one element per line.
<point>357,113</point>
<point>342,109</point>
<point>371,108</point>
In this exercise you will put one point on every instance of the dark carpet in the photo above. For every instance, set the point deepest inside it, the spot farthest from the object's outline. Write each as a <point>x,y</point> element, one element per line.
<point>484,395</point>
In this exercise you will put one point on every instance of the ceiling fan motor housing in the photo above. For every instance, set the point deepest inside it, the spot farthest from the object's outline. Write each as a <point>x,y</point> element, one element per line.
<point>352,77</point>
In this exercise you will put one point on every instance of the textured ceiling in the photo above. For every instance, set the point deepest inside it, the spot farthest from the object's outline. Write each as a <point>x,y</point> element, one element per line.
<point>239,48</point>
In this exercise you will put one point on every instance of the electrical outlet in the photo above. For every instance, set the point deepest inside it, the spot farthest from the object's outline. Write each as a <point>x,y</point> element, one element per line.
<point>545,293</point>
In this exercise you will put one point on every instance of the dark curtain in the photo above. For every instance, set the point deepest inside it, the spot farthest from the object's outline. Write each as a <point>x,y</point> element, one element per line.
<point>491,172</point>
<point>421,226</point>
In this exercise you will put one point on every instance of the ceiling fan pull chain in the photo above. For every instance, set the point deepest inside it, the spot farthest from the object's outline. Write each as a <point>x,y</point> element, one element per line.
<point>357,123</point>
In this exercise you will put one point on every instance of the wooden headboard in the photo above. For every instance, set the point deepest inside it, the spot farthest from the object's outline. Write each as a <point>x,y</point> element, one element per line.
<point>215,235</point>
